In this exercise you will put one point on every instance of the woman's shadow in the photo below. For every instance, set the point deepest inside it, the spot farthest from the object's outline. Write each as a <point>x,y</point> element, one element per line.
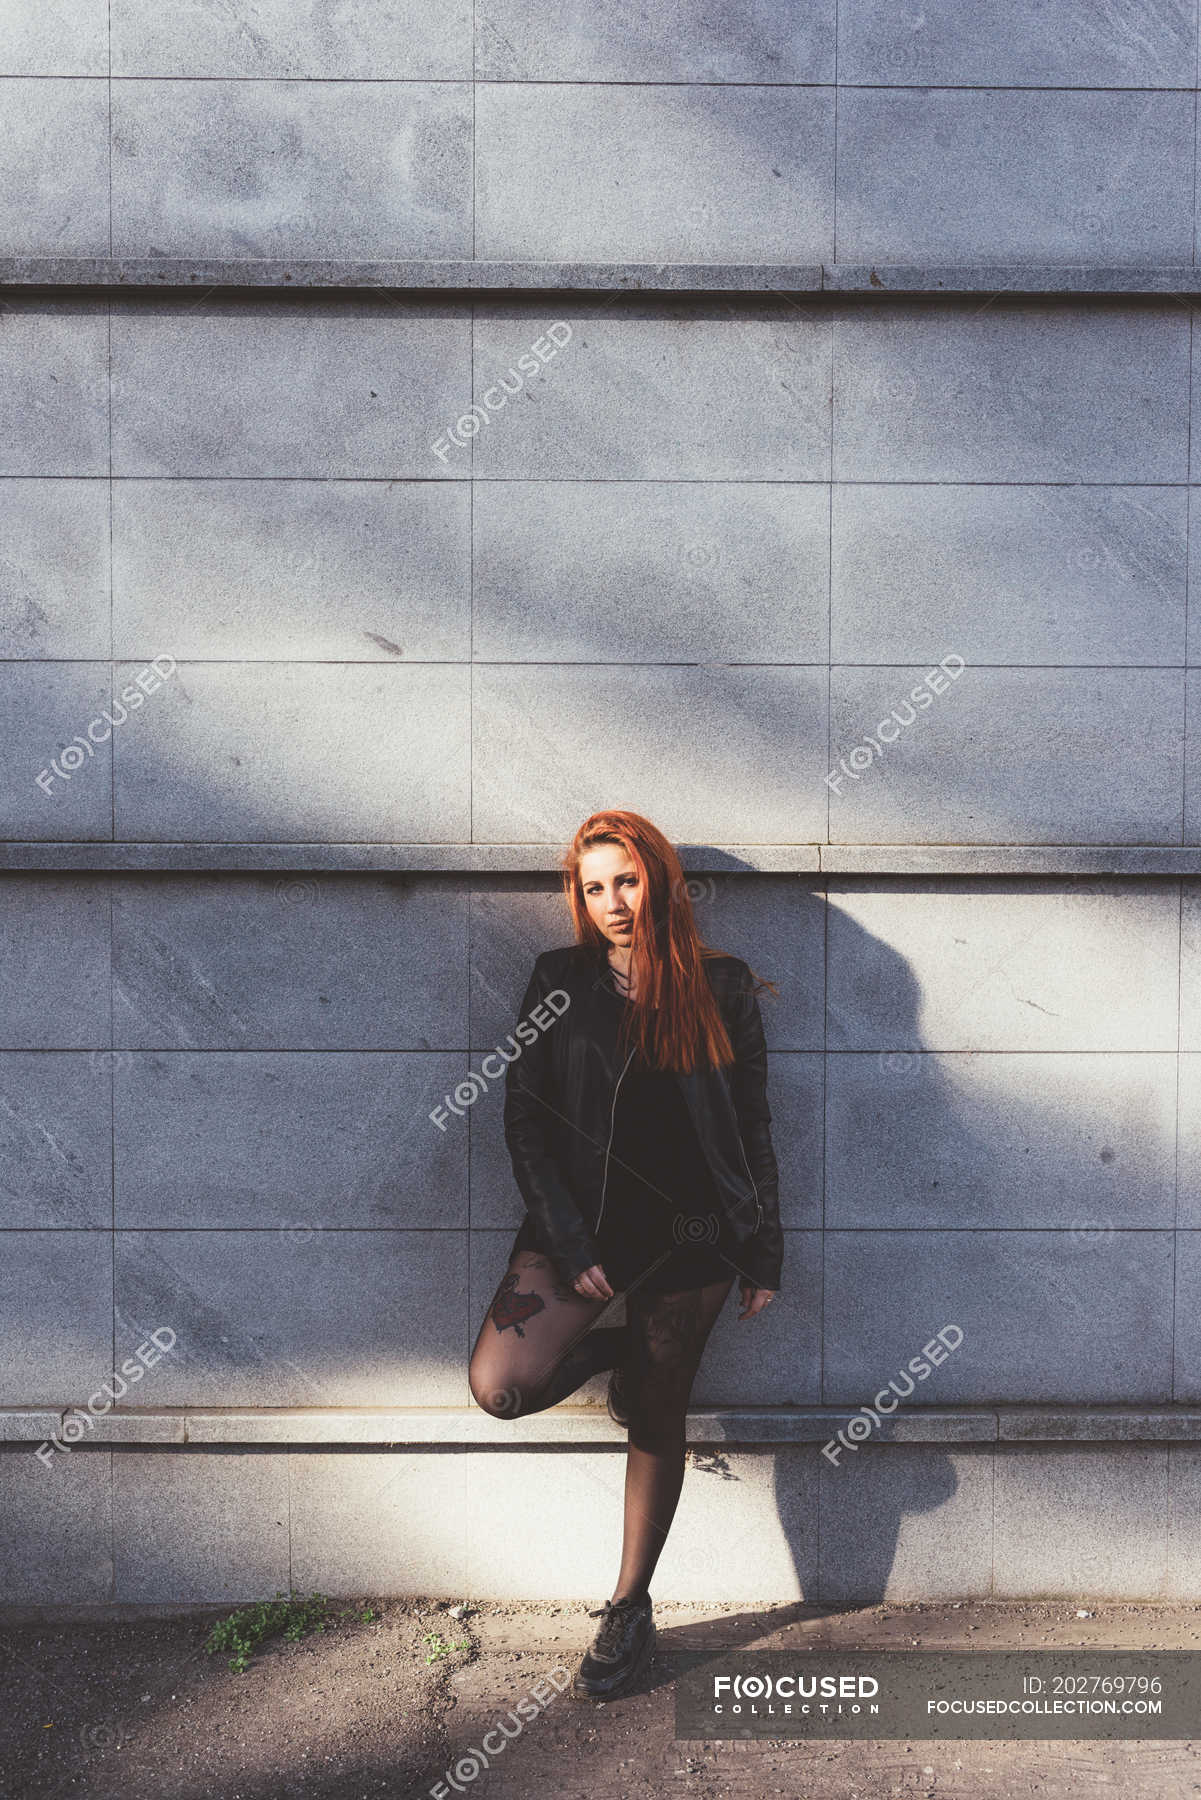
<point>909,1165</point>
<point>932,1182</point>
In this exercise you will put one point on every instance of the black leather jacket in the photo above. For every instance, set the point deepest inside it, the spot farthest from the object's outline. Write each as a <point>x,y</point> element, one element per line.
<point>561,1096</point>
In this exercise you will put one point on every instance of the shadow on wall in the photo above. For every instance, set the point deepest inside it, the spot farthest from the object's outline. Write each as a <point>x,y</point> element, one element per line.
<point>1023,1197</point>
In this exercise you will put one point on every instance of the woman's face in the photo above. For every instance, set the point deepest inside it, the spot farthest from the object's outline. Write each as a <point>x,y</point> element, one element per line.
<point>612,891</point>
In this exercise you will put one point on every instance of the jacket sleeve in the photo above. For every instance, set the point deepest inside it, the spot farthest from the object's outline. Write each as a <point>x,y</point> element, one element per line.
<point>763,1252</point>
<point>531,1107</point>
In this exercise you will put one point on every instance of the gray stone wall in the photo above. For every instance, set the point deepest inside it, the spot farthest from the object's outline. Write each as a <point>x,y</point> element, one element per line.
<point>846,355</point>
<point>754,131</point>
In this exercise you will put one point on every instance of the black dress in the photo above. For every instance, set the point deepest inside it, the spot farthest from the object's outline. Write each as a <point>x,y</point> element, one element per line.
<point>662,1226</point>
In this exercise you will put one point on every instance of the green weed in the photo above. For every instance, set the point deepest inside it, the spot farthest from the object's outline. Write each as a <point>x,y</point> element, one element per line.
<point>287,1616</point>
<point>437,1646</point>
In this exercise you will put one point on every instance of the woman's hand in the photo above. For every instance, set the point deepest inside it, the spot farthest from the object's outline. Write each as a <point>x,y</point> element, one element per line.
<point>754,1299</point>
<point>593,1284</point>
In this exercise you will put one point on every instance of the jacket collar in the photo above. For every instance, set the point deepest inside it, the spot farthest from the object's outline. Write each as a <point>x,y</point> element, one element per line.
<point>600,963</point>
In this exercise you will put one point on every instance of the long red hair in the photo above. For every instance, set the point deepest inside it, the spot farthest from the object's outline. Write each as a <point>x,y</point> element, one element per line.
<point>675,1019</point>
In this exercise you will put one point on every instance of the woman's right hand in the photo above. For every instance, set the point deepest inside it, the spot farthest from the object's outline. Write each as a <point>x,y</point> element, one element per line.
<point>593,1284</point>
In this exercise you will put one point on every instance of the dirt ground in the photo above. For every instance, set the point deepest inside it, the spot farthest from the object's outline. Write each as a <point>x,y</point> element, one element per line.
<point>129,1705</point>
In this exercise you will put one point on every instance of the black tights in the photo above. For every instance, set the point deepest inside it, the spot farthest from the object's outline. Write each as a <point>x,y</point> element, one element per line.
<point>537,1345</point>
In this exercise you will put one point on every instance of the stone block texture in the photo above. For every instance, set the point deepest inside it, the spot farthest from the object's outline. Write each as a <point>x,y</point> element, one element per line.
<point>886,572</point>
<point>687,131</point>
<point>787,569</point>
<point>217,1117</point>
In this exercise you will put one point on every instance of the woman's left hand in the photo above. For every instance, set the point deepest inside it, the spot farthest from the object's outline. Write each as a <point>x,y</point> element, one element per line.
<point>754,1299</point>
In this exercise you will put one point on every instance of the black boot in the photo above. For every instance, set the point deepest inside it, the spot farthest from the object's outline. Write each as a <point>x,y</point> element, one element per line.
<point>623,1646</point>
<point>615,1401</point>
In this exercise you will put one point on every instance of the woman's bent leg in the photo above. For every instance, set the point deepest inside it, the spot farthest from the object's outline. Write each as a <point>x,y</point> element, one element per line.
<point>668,1333</point>
<point>535,1346</point>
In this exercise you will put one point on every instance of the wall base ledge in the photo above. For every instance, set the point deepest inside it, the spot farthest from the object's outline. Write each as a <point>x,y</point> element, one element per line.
<point>573,1425</point>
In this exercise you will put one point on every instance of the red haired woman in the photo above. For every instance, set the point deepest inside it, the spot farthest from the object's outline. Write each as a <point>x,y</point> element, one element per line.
<point>637,1123</point>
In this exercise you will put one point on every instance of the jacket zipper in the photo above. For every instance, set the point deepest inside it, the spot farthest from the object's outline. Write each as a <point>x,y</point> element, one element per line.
<point>746,1165</point>
<point>612,1117</point>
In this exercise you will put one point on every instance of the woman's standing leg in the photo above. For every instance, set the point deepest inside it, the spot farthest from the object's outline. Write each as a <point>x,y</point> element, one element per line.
<point>668,1333</point>
<point>536,1344</point>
